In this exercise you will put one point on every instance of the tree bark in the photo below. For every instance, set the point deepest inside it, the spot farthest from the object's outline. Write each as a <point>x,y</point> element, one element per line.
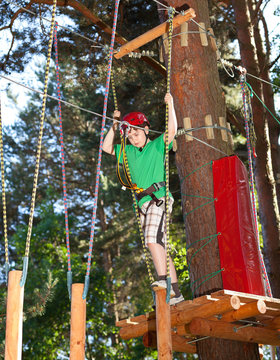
<point>196,89</point>
<point>266,135</point>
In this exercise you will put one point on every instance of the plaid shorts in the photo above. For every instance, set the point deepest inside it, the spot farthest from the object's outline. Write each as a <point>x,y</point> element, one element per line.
<point>153,220</point>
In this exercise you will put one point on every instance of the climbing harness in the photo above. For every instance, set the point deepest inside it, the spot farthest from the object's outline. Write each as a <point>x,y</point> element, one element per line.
<point>248,113</point>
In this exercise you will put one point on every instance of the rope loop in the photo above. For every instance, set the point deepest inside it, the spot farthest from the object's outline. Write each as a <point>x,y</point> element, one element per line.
<point>62,154</point>
<point>98,171</point>
<point>39,146</point>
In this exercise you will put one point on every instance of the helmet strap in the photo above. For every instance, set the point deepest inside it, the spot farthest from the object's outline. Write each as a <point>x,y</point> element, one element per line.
<point>147,137</point>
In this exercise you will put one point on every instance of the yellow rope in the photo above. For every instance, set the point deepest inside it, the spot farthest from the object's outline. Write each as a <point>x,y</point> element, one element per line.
<point>39,146</point>
<point>114,89</point>
<point>131,186</point>
<point>3,192</point>
<point>151,278</point>
<point>170,31</point>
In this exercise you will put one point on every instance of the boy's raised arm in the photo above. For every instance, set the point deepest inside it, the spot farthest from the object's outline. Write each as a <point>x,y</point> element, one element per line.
<point>108,144</point>
<point>172,119</point>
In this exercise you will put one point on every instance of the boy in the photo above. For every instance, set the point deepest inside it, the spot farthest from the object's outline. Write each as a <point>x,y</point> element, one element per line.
<point>146,164</point>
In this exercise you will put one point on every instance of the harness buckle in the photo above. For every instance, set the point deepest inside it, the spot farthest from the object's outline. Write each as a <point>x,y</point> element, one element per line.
<point>156,200</point>
<point>156,186</point>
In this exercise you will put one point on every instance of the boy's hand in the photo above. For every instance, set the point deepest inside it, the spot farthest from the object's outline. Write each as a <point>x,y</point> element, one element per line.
<point>117,114</point>
<point>168,99</point>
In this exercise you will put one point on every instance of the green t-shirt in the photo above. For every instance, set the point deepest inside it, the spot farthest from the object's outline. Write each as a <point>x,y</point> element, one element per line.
<point>146,166</point>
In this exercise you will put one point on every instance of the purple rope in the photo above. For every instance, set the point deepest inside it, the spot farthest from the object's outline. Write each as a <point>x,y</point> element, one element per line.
<point>251,177</point>
<point>93,221</point>
<point>62,151</point>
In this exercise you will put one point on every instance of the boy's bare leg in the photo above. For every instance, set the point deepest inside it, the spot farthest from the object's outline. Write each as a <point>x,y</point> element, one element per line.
<point>159,259</point>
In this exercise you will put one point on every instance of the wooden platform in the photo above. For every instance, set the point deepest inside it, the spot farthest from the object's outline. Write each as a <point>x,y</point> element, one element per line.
<point>223,314</point>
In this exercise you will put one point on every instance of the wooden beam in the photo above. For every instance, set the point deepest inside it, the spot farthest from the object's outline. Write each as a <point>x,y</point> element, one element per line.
<point>206,310</point>
<point>78,323</point>
<point>153,34</point>
<point>274,324</point>
<point>183,315</point>
<point>13,342</point>
<point>88,14</point>
<point>179,343</point>
<point>224,330</point>
<point>244,297</point>
<point>163,325</point>
<point>246,311</point>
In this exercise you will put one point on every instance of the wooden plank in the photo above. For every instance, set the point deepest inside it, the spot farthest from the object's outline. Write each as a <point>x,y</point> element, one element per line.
<point>187,126</point>
<point>163,326</point>
<point>184,34</point>
<point>212,40</point>
<point>222,122</point>
<point>209,131</point>
<point>225,330</point>
<point>14,316</point>
<point>153,34</point>
<point>203,34</point>
<point>244,297</point>
<point>135,320</point>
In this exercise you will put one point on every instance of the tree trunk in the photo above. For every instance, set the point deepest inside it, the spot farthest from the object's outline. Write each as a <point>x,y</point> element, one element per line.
<point>265,181</point>
<point>197,93</point>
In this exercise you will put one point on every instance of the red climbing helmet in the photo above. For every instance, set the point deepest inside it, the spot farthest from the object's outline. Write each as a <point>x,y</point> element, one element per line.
<point>134,118</point>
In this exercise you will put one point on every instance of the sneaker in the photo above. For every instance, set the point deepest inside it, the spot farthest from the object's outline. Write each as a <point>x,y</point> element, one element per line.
<point>161,284</point>
<point>176,300</point>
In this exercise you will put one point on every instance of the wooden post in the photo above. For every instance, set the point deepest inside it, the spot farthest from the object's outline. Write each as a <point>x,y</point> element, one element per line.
<point>163,326</point>
<point>153,34</point>
<point>13,344</point>
<point>78,323</point>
